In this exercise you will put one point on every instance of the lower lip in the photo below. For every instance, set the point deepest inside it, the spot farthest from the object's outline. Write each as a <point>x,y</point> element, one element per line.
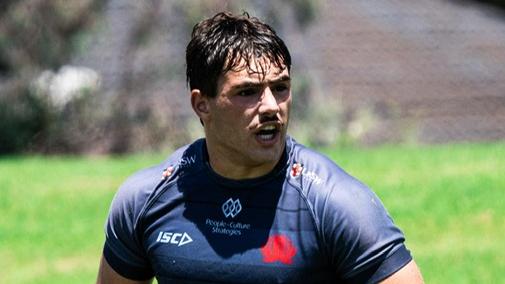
<point>272,140</point>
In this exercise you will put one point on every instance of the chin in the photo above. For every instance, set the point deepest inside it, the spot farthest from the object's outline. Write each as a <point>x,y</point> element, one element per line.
<point>268,155</point>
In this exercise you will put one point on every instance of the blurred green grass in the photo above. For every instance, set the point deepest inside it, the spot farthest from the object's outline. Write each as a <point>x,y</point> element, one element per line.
<point>448,199</point>
<point>53,210</point>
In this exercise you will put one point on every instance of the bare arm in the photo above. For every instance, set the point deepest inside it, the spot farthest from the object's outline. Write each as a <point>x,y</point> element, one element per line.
<point>107,275</point>
<point>408,274</point>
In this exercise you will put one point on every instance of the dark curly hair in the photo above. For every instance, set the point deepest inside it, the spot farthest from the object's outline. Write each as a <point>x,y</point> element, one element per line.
<point>219,44</point>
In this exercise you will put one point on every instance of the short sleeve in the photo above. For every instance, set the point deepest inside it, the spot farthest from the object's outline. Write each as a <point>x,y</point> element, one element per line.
<point>364,244</point>
<point>123,249</point>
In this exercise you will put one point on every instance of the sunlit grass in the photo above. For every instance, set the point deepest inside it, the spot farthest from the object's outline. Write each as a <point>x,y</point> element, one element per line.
<point>53,211</point>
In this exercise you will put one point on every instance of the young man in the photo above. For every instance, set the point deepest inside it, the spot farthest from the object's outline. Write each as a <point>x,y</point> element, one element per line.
<point>248,204</point>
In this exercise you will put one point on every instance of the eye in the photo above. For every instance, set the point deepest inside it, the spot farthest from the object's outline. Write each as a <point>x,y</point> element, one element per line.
<point>247,92</point>
<point>280,88</point>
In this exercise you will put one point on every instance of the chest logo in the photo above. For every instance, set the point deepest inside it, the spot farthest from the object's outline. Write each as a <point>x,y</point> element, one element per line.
<point>231,208</point>
<point>278,248</point>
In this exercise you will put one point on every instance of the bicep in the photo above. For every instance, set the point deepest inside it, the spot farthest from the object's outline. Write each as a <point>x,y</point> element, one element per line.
<point>408,274</point>
<point>107,275</point>
<point>364,243</point>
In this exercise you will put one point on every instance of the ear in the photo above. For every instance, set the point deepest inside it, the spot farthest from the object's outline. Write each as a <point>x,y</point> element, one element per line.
<point>200,104</point>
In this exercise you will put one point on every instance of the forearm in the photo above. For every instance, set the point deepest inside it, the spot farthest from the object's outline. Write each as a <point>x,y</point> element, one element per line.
<point>408,274</point>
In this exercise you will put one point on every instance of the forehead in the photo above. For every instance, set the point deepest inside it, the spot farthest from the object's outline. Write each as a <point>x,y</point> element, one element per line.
<point>257,70</point>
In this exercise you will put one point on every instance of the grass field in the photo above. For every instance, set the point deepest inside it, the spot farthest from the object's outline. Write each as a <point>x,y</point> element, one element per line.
<point>449,200</point>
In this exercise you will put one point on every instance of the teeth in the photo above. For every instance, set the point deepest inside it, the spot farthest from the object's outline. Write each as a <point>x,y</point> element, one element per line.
<point>266,137</point>
<point>269,127</point>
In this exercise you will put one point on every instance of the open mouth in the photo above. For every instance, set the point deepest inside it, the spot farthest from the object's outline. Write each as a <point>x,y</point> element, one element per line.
<point>268,133</point>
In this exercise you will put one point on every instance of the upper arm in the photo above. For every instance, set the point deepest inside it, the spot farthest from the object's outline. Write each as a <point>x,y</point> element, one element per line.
<point>408,274</point>
<point>124,248</point>
<point>363,243</point>
<point>107,275</point>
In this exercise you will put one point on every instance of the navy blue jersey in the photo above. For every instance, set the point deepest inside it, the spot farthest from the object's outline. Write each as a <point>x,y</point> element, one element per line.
<point>307,221</point>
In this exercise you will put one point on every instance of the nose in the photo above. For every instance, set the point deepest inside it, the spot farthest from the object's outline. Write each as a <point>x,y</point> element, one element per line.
<point>268,103</point>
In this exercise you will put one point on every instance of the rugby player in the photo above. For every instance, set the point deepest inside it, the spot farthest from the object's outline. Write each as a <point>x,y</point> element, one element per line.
<point>247,203</point>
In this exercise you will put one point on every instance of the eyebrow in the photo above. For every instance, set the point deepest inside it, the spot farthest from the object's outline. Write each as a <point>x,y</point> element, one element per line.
<point>249,84</point>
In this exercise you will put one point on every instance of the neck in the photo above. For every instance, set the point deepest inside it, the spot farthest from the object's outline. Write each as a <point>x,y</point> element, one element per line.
<point>239,168</point>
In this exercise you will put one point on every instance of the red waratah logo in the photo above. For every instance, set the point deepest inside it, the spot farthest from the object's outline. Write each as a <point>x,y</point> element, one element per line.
<point>278,248</point>
<point>296,170</point>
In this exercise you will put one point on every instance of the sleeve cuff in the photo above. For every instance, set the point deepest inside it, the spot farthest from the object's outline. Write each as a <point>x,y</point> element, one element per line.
<point>384,269</point>
<point>125,269</point>
<point>392,264</point>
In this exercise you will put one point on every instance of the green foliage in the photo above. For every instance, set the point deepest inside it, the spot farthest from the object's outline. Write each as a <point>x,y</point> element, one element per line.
<point>39,35</point>
<point>447,199</point>
<point>138,112</point>
<point>35,36</point>
<point>319,123</point>
<point>21,119</point>
<point>29,122</point>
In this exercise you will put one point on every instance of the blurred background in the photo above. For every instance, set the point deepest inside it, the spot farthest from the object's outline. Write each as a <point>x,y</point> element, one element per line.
<point>101,77</point>
<point>409,96</point>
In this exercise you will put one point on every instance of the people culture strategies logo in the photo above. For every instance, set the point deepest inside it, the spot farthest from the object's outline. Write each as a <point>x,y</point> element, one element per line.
<point>230,209</point>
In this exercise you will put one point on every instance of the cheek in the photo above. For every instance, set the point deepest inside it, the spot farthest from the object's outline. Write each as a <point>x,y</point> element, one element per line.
<point>232,117</point>
<point>233,120</point>
<point>285,106</point>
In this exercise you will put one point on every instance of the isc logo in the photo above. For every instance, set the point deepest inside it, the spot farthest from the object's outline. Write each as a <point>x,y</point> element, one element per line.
<point>178,239</point>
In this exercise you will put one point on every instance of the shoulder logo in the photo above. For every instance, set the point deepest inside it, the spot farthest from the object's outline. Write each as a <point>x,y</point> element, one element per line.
<point>296,170</point>
<point>167,172</point>
<point>186,161</point>
<point>231,207</point>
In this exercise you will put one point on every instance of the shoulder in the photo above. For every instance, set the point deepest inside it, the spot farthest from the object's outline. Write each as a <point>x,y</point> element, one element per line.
<point>123,248</point>
<point>138,188</point>
<point>332,193</point>
<point>356,229</point>
<point>135,190</point>
<point>317,174</point>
